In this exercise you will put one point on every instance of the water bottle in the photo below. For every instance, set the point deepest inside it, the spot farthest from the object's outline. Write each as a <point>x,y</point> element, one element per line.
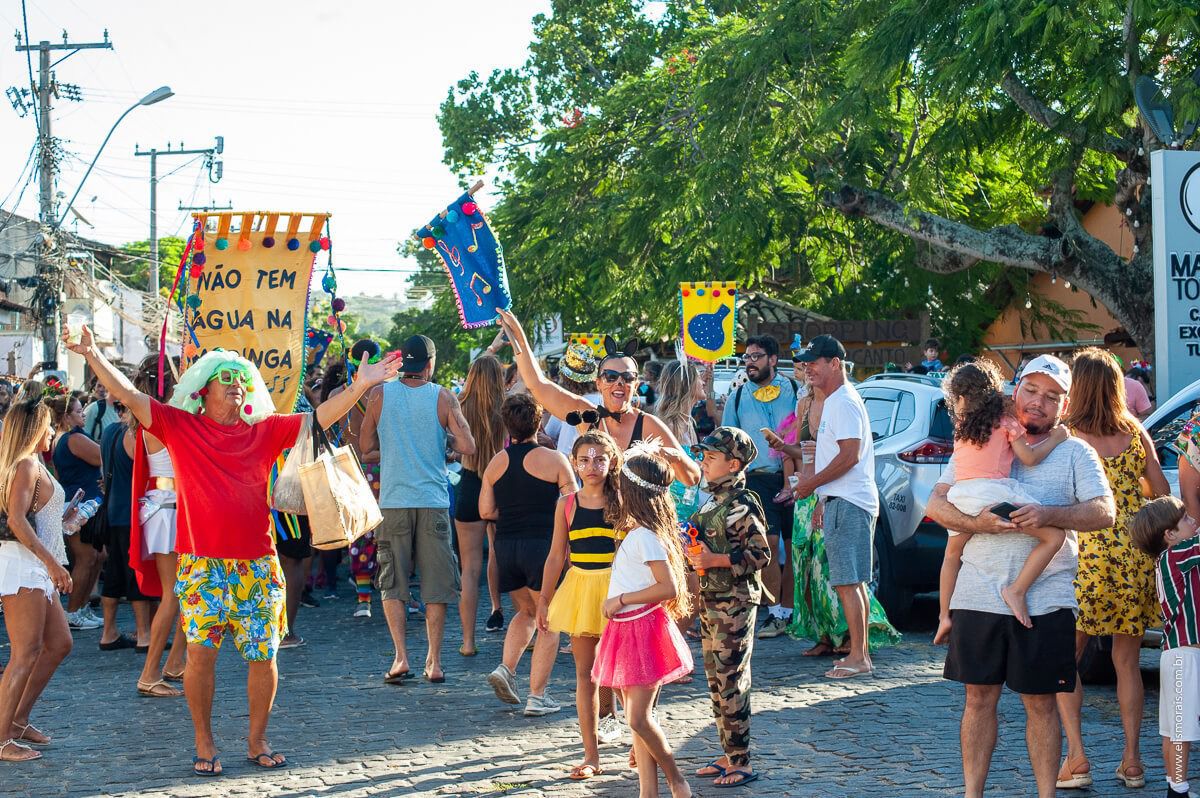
<point>87,509</point>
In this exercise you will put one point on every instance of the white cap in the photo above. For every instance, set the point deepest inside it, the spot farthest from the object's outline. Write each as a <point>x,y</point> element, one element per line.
<point>1052,367</point>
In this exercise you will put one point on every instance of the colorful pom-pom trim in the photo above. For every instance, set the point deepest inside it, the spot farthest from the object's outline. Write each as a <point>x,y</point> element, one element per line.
<point>268,242</point>
<point>222,243</point>
<point>293,244</point>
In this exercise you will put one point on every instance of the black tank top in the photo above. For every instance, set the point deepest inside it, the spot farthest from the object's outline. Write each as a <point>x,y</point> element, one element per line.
<point>593,542</point>
<point>525,503</point>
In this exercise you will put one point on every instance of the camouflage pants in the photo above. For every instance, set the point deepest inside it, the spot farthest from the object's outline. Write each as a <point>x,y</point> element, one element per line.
<point>727,626</point>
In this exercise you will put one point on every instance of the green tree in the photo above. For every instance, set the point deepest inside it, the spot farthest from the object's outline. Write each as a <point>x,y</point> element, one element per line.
<point>865,159</point>
<point>135,270</point>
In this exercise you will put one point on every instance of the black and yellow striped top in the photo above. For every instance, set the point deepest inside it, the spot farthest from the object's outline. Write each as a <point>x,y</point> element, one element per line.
<point>593,542</point>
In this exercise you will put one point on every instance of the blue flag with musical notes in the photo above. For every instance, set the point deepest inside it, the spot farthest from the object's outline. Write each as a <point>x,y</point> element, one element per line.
<point>473,258</point>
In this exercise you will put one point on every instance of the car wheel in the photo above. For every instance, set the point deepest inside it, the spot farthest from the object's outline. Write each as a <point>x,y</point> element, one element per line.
<point>1095,663</point>
<point>895,597</point>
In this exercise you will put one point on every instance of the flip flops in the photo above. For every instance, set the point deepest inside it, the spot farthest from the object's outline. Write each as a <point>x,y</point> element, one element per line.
<point>846,672</point>
<point>585,772</point>
<point>270,764</point>
<point>746,778</point>
<point>717,770</point>
<point>212,764</point>
<point>397,677</point>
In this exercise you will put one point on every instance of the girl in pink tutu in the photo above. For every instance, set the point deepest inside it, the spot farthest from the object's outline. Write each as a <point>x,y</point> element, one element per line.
<point>641,648</point>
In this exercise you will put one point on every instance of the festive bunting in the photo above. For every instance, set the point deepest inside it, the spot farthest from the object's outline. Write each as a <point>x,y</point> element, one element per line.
<point>592,340</point>
<point>473,259</point>
<point>250,296</point>
<point>707,316</point>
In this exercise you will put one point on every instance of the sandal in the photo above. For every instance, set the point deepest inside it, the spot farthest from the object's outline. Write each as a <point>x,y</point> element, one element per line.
<point>744,777</point>
<point>19,747</point>
<point>271,764</point>
<point>1131,781</point>
<point>213,764</point>
<point>821,649</point>
<point>396,678</point>
<point>21,738</point>
<point>159,689</point>
<point>1069,779</point>
<point>846,672</point>
<point>584,772</point>
<point>172,677</point>
<point>712,769</point>
<point>463,651</point>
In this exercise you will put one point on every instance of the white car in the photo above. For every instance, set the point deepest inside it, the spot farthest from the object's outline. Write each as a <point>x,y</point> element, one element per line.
<point>1165,424</point>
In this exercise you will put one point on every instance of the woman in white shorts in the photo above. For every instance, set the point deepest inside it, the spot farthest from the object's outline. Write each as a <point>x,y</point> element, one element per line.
<point>31,572</point>
<point>152,540</point>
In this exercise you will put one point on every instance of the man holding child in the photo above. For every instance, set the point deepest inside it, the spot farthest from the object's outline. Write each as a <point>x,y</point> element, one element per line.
<point>988,646</point>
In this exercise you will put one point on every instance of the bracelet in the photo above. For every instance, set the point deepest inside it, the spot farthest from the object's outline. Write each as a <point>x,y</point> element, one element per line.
<point>621,599</point>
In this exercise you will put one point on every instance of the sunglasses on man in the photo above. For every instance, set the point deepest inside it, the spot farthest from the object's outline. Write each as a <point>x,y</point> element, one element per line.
<point>611,376</point>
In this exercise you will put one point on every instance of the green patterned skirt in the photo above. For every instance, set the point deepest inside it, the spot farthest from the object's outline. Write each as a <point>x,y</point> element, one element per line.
<point>818,613</point>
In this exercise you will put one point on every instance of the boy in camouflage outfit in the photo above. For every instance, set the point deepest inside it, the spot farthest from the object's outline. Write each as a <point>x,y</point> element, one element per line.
<point>732,551</point>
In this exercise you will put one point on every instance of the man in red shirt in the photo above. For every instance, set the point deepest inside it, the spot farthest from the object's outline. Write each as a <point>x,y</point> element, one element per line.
<point>223,435</point>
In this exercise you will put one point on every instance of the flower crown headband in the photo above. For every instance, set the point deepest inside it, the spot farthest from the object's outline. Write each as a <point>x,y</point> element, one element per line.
<point>53,388</point>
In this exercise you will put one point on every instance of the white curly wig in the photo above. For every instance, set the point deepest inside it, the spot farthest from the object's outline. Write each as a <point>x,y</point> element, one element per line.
<point>187,396</point>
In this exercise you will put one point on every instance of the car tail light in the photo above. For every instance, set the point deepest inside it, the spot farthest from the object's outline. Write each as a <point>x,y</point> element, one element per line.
<point>929,452</point>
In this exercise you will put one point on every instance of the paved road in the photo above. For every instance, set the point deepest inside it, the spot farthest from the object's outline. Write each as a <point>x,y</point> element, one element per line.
<point>347,734</point>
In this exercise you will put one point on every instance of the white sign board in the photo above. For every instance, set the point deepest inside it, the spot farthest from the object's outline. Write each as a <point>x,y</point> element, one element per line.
<point>1175,181</point>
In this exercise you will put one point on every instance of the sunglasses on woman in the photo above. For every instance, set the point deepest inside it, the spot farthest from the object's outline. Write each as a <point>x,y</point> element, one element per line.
<point>610,376</point>
<point>228,375</point>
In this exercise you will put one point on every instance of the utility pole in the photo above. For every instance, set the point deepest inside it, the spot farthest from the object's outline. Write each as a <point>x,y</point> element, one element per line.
<point>206,208</point>
<point>215,171</point>
<point>49,290</point>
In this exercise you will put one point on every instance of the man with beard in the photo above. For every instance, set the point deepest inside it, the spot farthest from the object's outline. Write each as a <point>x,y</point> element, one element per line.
<point>988,646</point>
<point>765,401</point>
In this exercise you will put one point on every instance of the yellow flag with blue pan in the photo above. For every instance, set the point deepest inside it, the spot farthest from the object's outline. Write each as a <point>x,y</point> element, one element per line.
<point>707,318</point>
<point>592,340</point>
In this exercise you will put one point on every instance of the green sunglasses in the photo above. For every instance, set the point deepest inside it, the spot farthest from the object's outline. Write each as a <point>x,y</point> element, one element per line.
<point>227,375</point>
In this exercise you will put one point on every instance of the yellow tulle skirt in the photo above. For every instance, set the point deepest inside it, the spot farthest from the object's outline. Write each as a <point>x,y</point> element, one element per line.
<point>578,604</point>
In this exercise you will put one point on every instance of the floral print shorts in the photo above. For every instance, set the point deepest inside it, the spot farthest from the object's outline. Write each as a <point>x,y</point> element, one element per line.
<point>244,597</point>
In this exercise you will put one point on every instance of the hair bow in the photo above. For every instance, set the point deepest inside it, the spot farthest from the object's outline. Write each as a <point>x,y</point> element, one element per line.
<point>628,349</point>
<point>592,416</point>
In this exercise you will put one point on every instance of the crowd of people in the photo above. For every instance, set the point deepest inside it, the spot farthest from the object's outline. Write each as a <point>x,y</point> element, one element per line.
<point>626,507</point>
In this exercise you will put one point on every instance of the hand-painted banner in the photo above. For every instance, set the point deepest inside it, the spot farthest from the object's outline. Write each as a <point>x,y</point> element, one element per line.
<point>247,291</point>
<point>707,314</point>
<point>593,340</point>
<point>473,259</point>
<point>317,344</point>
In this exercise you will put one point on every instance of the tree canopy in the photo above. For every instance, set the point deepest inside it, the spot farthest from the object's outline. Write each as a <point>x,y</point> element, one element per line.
<point>868,158</point>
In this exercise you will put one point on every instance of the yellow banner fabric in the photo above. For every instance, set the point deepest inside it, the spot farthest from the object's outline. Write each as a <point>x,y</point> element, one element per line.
<point>707,314</point>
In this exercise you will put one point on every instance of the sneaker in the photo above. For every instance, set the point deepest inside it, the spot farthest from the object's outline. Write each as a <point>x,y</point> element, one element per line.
<point>80,620</point>
<point>307,599</point>
<point>611,730</point>
<point>495,622</point>
<point>90,614</point>
<point>774,627</point>
<point>330,595</point>
<point>539,705</point>
<point>363,610</point>
<point>505,684</point>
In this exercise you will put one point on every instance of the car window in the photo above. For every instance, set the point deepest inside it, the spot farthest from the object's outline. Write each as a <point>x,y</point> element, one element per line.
<point>941,426</point>
<point>881,407</point>
<point>906,411</point>
<point>1167,429</point>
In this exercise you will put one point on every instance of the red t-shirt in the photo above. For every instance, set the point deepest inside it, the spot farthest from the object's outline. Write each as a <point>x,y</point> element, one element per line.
<point>221,479</point>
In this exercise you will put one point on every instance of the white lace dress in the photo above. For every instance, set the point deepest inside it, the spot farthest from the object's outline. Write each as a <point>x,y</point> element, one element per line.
<point>19,567</point>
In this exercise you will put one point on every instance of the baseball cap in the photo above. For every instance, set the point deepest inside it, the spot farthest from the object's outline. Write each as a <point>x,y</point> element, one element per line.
<point>729,441</point>
<point>417,352</point>
<point>819,347</point>
<point>1052,367</point>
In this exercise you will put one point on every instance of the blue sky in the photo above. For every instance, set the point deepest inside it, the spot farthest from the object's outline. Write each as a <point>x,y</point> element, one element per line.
<point>323,106</point>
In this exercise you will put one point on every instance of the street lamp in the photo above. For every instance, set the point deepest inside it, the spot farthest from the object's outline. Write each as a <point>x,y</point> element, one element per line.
<point>158,95</point>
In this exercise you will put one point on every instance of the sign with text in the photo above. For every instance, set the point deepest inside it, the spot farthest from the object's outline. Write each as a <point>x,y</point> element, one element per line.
<point>253,289</point>
<point>1175,182</point>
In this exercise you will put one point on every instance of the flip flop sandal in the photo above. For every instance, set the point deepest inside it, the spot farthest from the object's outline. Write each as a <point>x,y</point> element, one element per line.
<point>746,778</point>
<point>270,764</point>
<point>212,764</point>
<point>585,772</point>
<point>172,677</point>
<point>432,680</point>
<point>843,672</point>
<point>464,653</point>
<point>396,678</point>
<point>7,743</point>
<point>24,729</point>
<point>718,770</point>
<point>159,689</point>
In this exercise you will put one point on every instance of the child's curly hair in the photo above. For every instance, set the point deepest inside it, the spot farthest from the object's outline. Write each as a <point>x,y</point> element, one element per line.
<point>978,382</point>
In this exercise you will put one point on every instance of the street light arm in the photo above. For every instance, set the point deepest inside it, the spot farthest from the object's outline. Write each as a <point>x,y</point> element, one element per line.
<point>92,165</point>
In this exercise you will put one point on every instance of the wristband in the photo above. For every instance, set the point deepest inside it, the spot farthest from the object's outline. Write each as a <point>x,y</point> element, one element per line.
<point>621,599</point>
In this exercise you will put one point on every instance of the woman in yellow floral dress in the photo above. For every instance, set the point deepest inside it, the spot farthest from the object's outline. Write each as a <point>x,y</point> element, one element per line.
<point>1115,582</point>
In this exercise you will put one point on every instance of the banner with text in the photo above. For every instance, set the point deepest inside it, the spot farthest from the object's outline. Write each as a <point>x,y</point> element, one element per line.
<point>1175,187</point>
<point>247,291</point>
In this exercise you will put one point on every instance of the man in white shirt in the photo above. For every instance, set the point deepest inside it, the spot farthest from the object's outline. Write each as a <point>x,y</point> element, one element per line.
<point>849,504</point>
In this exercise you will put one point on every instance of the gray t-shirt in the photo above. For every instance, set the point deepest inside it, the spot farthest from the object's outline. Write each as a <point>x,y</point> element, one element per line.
<point>1070,474</point>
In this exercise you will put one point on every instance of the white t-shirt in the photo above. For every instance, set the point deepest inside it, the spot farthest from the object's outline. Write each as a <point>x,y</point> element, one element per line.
<point>630,573</point>
<point>844,417</point>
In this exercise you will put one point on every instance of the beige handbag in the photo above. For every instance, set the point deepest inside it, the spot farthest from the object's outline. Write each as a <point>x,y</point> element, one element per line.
<point>341,507</point>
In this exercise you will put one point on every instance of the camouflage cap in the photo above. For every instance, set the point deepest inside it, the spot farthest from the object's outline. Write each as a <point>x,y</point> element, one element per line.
<point>730,441</point>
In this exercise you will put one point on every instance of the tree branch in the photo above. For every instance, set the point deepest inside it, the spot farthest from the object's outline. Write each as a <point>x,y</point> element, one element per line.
<point>963,244</point>
<point>1052,120</point>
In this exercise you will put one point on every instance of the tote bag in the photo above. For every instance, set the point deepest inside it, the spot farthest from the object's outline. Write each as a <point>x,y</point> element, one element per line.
<point>341,507</point>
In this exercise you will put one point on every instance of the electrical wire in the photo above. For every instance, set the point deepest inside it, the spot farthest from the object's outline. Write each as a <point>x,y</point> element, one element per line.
<point>37,114</point>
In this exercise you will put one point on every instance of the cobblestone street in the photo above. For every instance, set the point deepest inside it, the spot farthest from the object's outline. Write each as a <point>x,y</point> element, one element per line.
<point>347,734</point>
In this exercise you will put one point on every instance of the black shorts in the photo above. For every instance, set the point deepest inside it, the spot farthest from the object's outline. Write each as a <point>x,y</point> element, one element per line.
<point>989,648</point>
<point>466,505</point>
<point>92,533</point>
<point>295,548</point>
<point>119,580</point>
<point>520,562</point>
<point>779,516</point>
